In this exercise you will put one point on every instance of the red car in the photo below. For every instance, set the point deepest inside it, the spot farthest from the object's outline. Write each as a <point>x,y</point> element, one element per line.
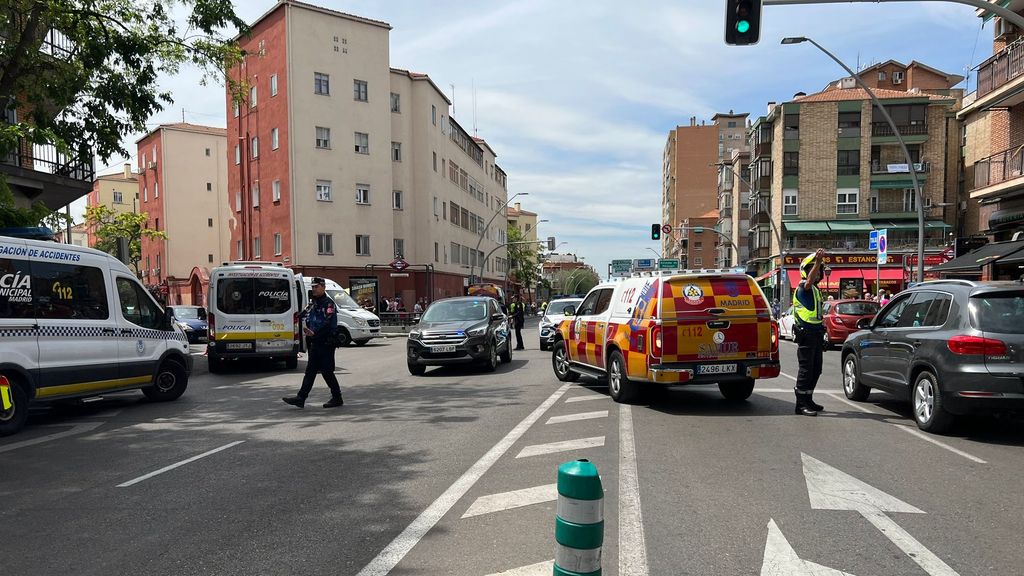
<point>841,318</point>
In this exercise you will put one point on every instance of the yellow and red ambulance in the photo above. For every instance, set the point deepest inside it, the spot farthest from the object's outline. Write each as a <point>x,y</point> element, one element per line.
<point>671,327</point>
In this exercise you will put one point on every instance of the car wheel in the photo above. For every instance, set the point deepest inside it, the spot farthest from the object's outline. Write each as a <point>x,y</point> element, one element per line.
<point>543,346</point>
<point>560,363</point>
<point>737,391</point>
<point>620,387</point>
<point>360,342</point>
<point>506,356</point>
<point>417,369</point>
<point>13,419</point>
<point>929,413</point>
<point>492,357</point>
<point>852,386</point>
<point>214,364</point>
<point>827,344</point>
<point>169,384</point>
<point>343,337</point>
<point>291,362</point>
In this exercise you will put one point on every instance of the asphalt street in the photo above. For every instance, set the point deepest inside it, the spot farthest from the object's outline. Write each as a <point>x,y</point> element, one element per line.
<point>452,473</point>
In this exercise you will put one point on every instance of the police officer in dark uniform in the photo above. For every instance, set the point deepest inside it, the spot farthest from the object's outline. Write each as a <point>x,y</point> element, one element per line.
<point>809,332</point>
<point>518,320</point>
<point>321,318</point>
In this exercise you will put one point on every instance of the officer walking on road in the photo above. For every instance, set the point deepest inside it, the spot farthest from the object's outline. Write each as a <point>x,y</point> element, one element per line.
<point>321,322</point>
<point>518,319</point>
<point>809,333</point>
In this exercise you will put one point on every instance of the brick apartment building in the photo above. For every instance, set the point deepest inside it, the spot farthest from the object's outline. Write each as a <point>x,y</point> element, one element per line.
<point>118,191</point>
<point>734,210</point>
<point>339,163</point>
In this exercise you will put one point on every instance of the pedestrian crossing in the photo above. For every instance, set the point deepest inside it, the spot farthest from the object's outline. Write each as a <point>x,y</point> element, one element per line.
<point>577,417</point>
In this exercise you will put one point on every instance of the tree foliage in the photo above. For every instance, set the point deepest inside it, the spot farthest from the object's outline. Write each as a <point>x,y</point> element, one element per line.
<point>575,281</point>
<point>523,259</point>
<point>111,226</point>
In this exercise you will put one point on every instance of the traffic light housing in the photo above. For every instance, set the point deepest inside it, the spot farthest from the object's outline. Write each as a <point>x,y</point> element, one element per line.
<point>742,22</point>
<point>655,231</point>
<point>551,243</point>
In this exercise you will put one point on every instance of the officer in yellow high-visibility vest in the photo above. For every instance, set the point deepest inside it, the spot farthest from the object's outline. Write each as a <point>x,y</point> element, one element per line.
<point>809,332</point>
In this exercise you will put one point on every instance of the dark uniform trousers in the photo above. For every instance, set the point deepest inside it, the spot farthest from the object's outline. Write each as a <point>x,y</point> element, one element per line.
<point>321,361</point>
<point>810,346</point>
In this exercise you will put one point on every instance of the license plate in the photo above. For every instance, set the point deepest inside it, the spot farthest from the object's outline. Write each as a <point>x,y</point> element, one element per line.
<point>716,369</point>
<point>239,346</point>
<point>442,348</point>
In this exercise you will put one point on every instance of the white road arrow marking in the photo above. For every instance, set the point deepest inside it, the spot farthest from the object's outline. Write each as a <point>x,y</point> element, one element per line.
<point>76,428</point>
<point>781,560</point>
<point>832,489</point>
<point>515,499</point>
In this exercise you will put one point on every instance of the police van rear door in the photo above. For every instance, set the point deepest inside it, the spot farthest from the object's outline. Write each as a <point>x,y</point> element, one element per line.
<point>258,309</point>
<point>714,322</point>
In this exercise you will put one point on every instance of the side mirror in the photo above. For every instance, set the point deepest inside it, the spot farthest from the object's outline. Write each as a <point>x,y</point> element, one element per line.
<point>496,317</point>
<point>864,323</point>
<point>202,313</point>
<point>569,310</point>
<point>168,319</point>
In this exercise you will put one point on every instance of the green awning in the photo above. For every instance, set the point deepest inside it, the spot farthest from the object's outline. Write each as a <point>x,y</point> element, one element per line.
<point>908,224</point>
<point>850,226</point>
<point>807,227</point>
<point>936,224</point>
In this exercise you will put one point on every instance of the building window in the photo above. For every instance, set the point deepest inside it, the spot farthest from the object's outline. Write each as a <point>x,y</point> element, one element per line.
<point>118,197</point>
<point>207,151</point>
<point>909,200</point>
<point>209,186</point>
<point>362,143</point>
<point>157,228</point>
<point>789,198</point>
<point>277,244</point>
<point>881,75</point>
<point>846,201</point>
<point>274,141</point>
<point>234,109</point>
<point>791,127</point>
<point>323,137</point>
<point>323,191</point>
<point>396,151</point>
<point>435,206</point>
<point>362,245</point>
<point>238,249</point>
<point>256,195</point>
<point>238,201</point>
<point>435,161</point>
<point>698,262</point>
<point>209,258</point>
<point>436,251</point>
<point>790,163</point>
<point>156,189</point>
<point>255,147</point>
<point>399,248</point>
<point>848,163</point>
<point>396,103</point>
<point>396,199</point>
<point>145,194</point>
<point>456,252</point>
<point>324,243</point>
<point>903,115</point>
<point>321,83</point>
<point>698,245</point>
<point>238,155</point>
<point>209,222</point>
<point>362,193</point>
<point>275,191</point>
<point>252,97</point>
<point>433,115</point>
<point>256,247</point>
<point>359,90</point>
<point>273,84</point>
<point>731,124</point>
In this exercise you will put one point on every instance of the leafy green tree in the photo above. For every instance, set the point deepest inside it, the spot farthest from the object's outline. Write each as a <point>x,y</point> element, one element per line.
<point>523,259</point>
<point>575,281</point>
<point>112,226</point>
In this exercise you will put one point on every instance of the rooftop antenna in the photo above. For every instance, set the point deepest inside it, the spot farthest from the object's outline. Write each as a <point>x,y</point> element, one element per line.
<point>453,98</point>
<point>473,85</point>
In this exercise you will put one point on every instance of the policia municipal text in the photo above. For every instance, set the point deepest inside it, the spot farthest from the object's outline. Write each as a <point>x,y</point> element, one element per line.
<point>809,333</point>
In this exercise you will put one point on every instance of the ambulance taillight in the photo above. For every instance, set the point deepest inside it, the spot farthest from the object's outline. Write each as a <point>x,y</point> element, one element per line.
<point>775,336</point>
<point>656,341</point>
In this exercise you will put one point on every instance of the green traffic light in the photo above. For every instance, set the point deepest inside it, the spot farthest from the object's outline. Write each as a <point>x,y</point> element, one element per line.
<point>742,26</point>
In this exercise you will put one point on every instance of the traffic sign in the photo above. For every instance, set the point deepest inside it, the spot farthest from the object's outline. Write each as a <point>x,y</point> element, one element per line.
<point>622,266</point>
<point>398,264</point>
<point>666,228</point>
<point>873,240</point>
<point>643,263</point>
<point>668,264</point>
<point>883,246</point>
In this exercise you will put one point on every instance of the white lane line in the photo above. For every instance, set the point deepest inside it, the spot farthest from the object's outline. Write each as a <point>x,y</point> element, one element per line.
<point>78,428</point>
<point>390,556</point>
<point>514,499</point>
<point>924,436</point>
<point>853,404</point>
<point>178,464</point>
<point>539,569</point>
<point>563,446</point>
<point>585,398</point>
<point>793,378</point>
<point>632,545</point>
<point>575,417</point>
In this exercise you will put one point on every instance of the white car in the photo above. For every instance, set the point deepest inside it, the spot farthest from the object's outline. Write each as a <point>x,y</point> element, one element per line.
<point>786,324</point>
<point>354,323</point>
<point>553,316</point>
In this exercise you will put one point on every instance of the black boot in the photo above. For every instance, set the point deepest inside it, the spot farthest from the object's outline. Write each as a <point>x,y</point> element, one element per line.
<point>805,410</point>
<point>334,402</point>
<point>812,404</point>
<point>804,406</point>
<point>296,401</point>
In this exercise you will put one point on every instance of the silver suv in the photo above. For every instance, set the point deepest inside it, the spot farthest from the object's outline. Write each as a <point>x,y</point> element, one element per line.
<point>950,347</point>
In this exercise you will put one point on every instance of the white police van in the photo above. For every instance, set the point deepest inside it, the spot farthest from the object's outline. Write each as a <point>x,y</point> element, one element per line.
<point>76,322</point>
<point>253,312</point>
<point>355,324</point>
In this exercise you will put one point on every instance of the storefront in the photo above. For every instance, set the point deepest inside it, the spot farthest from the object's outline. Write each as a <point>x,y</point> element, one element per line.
<point>851,275</point>
<point>996,261</point>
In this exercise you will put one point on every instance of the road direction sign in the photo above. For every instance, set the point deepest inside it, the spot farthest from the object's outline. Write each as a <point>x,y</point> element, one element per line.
<point>668,264</point>
<point>873,240</point>
<point>883,246</point>
<point>643,263</point>
<point>666,228</point>
<point>621,267</point>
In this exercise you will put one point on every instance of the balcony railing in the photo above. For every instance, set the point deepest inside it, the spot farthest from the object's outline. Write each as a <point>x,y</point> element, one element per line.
<point>1000,167</point>
<point>725,212</point>
<point>879,168</point>
<point>763,149</point>
<point>892,206</point>
<point>45,158</point>
<point>1001,68</point>
<point>883,129</point>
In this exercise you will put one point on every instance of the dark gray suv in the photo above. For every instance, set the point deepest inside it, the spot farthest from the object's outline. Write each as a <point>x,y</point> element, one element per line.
<point>950,347</point>
<point>464,330</point>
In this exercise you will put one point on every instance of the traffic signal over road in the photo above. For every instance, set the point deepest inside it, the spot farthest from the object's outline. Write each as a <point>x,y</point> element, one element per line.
<point>655,231</point>
<point>742,22</point>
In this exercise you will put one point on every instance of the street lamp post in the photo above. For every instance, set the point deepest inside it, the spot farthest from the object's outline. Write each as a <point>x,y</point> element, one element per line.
<point>655,252</point>
<point>899,138</point>
<point>487,227</point>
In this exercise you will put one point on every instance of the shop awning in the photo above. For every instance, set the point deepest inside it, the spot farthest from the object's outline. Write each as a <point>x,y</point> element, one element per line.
<point>909,224</point>
<point>851,226</point>
<point>888,276</point>
<point>807,227</point>
<point>766,276</point>
<point>975,260</point>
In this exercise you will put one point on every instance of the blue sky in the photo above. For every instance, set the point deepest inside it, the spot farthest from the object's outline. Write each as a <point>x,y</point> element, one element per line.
<point>577,97</point>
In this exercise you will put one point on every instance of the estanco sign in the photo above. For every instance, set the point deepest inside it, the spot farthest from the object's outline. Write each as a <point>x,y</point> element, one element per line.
<point>865,259</point>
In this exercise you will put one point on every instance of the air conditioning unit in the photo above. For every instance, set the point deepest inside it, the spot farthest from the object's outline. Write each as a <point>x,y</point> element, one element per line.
<point>152,165</point>
<point>897,78</point>
<point>1004,28</point>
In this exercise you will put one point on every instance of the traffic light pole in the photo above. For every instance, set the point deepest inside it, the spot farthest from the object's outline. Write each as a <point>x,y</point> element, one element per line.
<point>1014,18</point>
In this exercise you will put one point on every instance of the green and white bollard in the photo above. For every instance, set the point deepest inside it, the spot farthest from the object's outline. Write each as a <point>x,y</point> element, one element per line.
<point>579,524</point>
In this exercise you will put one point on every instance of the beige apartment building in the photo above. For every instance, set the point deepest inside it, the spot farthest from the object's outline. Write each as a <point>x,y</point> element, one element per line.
<point>734,210</point>
<point>340,164</point>
<point>119,192</point>
<point>182,186</point>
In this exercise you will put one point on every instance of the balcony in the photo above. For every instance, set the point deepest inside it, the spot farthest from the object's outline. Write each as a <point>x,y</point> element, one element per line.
<point>763,149</point>
<point>725,212</point>
<point>1001,171</point>
<point>1000,69</point>
<point>877,168</point>
<point>885,207</point>
<point>41,174</point>
<point>883,129</point>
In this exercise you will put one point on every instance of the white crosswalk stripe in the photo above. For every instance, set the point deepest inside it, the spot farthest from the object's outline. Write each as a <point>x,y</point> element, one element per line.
<point>586,398</point>
<point>564,446</point>
<point>539,569</point>
<point>514,499</point>
<point>575,417</point>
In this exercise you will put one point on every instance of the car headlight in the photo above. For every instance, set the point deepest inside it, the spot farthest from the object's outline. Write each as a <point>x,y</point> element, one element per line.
<point>479,331</point>
<point>184,327</point>
<point>415,334</point>
<point>545,320</point>
<point>360,322</point>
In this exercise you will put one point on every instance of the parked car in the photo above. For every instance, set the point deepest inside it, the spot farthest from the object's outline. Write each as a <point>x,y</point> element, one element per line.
<point>462,330</point>
<point>786,321</point>
<point>949,347</point>
<point>553,316</point>
<point>841,317</point>
<point>191,319</point>
<point>355,324</point>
